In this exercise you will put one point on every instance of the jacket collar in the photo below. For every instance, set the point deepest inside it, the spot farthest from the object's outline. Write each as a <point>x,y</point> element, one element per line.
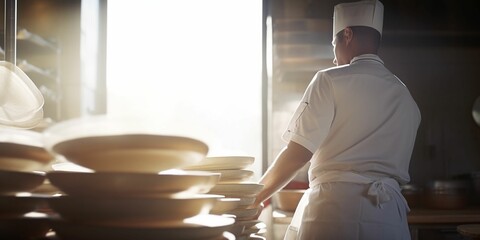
<point>367,57</point>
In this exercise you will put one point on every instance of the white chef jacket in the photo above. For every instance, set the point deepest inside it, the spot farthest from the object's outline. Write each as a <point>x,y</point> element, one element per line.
<point>359,120</point>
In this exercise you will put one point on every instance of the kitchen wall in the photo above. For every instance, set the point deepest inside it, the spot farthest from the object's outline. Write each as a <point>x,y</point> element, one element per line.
<point>430,45</point>
<point>443,81</point>
<point>59,22</point>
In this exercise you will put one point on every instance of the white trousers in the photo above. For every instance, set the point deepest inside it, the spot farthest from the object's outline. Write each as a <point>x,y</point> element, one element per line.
<point>345,211</point>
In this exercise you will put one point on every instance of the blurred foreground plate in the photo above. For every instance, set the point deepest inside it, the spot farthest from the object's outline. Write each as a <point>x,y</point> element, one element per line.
<point>223,163</point>
<point>132,184</point>
<point>198,227</point>
<point>223,205</point>
<point>14,181</point>
<point>246,201</point>
<point>127,210</point>
<point>16,206</point>
<point>243,189</point>
<point>132,152</point>
<point>244,213</point>
<point>28,226</point>
<point>22,150</point>
<point>235,176</point>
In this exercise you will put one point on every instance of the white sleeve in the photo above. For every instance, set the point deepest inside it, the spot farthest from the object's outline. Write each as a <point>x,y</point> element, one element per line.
<point>311,122</point>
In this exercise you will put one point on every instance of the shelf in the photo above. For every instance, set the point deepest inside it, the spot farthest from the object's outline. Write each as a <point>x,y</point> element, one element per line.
<point>44,74</point>
<point>29,43</point>
<point>23,34</point>
<point>30,69</point>
<point>431,216</point>
<point>49,94</point>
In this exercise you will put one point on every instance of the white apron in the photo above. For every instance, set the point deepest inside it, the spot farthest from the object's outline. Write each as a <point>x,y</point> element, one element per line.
<point>294,226</point>
<point>380,191</point>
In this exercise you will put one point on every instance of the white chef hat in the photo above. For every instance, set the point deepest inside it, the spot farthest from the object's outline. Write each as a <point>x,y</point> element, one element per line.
<point>362,13</point>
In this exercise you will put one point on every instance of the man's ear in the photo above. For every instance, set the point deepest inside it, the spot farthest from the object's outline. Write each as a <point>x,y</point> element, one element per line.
<point>347,35</point>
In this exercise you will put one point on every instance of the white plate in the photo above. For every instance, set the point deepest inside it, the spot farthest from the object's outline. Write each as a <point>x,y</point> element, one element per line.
<point>120,210</point>
<point>132,184</point>
<point>28,226</point>
<point>46,188</point>
<point>198,227</point>
<point>21,137</point>
<point>18,205</point>
<point>254,230</point>
<point>244,213</point>
<point>246,201</point>
<point>132,152</point>
<point>249,223</point>
<point>14,181</point>
<point>237,189</point>
<point>21,164</point>
<point>22,150</point>
<point>223,163</point>
<point>223,205</point>
<point>235,176</point>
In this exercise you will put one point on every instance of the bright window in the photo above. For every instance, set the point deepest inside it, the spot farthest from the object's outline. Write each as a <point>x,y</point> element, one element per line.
<point>195,66</point>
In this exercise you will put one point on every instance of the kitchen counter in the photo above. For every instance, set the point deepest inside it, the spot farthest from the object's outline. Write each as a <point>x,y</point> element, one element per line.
<point>433,216</point>
<point>440,224</point>
<point>424,223</point>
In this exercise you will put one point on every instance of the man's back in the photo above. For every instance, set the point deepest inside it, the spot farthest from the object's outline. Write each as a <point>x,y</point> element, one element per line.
<point>375,121</point>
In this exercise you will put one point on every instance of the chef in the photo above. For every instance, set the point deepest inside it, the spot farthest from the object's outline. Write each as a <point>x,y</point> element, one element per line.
<point>356,124</point>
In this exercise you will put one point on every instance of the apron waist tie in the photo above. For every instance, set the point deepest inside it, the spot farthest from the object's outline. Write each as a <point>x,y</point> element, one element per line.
<point>380,189</point>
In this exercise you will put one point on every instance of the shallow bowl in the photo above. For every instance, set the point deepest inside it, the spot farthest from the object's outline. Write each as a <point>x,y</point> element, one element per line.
<point>132,184</point>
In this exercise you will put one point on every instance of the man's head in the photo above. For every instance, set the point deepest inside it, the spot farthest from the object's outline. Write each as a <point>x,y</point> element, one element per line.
<point>357,29</point>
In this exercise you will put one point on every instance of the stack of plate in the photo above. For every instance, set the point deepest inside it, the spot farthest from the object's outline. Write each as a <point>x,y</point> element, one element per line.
<point>245,224</point>
<point>117,205</point>
<point>234,184</point>
<point>238,191</point>
<point>233,169</point>
<point>17,206</point>
<point>253,229</point>
<point>127,188</point>
<point>22,150</point>
<point>21,153</point>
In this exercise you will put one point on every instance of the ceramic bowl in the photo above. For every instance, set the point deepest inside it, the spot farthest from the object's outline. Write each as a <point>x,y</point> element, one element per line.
<point>223,163</point>
<point>132,184</point>
<point>243,189</point>
<point>194,228</point>
<point>132,152</point>
<point>235,176</point>
<point>223,205</point>
<point>121,210</point>
<point>14,206</point>
<point>22,150</point>
<point>14,181</point>
<point>29,226</point>
<point>105,143</point>
<point>288,199</point>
